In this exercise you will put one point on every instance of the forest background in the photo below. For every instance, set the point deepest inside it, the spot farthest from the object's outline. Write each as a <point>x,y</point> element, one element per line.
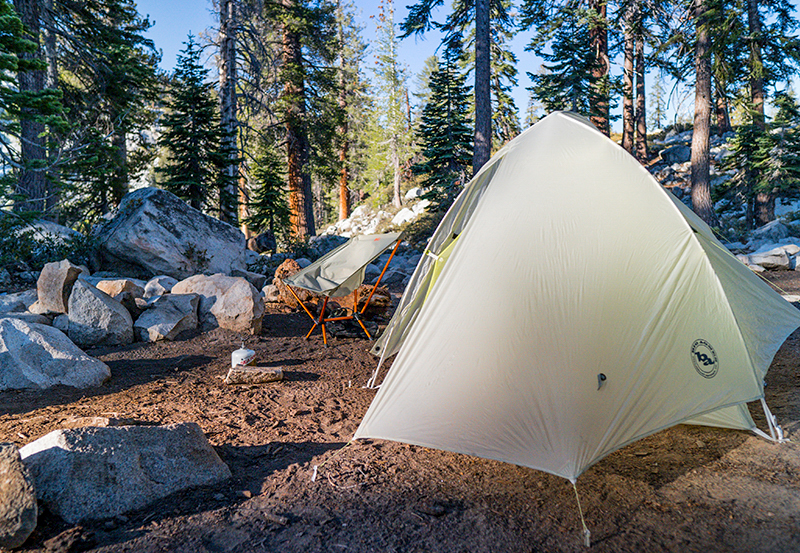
<point>282,115</point>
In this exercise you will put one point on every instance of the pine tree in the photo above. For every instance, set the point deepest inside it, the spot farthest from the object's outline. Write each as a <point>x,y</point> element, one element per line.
<point>109,90</point>
<point>269,208</point>
<point>27,109</point>
<point>444,134</point>
<point>192,134</point>
<point>391,84</point>
<point>658,105</point>
<point>567,81</point>
<point>482,16</point>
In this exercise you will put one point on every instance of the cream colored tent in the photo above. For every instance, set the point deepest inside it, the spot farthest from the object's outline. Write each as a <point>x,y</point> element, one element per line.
<point>578,307</point>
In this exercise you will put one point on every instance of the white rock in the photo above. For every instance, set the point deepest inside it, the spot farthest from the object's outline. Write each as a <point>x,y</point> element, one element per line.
<point>242,310</point>
<point>40,356</point>
<point>30,317</point>
<point>776,259</point>
<point>55,285</point>
<point>96,319</point>
<point>159,232</point>
<point>413,194</point>
<point>167,317</point>
<point>114,287</point>
<point>271,293</point>
<point>18,509</point>
<point>774,230</point>
<point>159,285</point>
<point>404,216</point>
<point>420,206</point>
<point>91,473</point>
<point>20,301</point>
<point>303,262</point>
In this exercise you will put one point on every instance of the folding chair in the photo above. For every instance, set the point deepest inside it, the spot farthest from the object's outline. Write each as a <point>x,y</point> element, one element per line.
<point>341,272</point>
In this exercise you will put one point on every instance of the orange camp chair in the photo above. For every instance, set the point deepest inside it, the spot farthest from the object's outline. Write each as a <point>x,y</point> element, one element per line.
<point>341,272</point>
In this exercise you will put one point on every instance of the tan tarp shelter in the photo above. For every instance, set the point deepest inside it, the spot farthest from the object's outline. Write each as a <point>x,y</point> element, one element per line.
<point>578,307</point>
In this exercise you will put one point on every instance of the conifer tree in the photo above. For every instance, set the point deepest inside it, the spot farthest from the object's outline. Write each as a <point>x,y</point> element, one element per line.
<point>568,79</point>
<point>444,134</point>
<point>482,16</point>
<point>27,109</point>
<point>268,206</point>
<point>192,134</point>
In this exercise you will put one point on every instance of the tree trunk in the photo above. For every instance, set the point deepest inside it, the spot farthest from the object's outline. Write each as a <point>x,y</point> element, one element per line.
<point>627,82</point>
<point>701,185</point>
<point>301,205</point>
<point>598,35</point>
<point>641,105</point>
<point>32,182</point>
<point>395,158</point>
<point>227,97</point>
<point>244,206</point>
<point>721,110</point>
<point>764,201</point>
<point>119,176</point>
<point>344,145</point>
<point>482,148</point>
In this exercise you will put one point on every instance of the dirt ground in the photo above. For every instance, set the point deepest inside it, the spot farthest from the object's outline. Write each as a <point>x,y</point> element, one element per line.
<point>687,489</point>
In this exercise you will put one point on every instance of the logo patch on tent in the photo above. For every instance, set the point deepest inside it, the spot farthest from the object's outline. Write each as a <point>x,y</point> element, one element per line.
<point>704,359</point>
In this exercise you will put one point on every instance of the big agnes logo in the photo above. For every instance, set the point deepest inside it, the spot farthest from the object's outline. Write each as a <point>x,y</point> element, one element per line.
<point>704,359</point>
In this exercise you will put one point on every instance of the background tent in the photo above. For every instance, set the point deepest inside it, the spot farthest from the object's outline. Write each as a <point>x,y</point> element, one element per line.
<point>580,307</point>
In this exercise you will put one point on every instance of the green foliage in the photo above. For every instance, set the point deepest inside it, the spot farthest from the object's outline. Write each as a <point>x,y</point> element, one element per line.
<point>192,134</point>
<point>269,208</point>
<point>42,106</point>
<point>444,135</point>
<point>764,160</point>
<point>566,80</point>
<point>108,76</point>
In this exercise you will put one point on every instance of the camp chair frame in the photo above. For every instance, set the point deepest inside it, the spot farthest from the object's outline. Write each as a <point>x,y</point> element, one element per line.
<point>355,316</point>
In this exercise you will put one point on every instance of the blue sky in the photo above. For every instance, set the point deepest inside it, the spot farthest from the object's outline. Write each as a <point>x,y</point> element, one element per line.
<point>174,19</point>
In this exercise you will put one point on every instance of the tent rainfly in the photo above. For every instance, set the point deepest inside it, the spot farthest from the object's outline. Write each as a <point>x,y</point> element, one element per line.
<point>568,305</point>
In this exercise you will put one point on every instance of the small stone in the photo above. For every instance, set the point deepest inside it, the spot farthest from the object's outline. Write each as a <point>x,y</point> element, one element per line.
<point>219,496</point>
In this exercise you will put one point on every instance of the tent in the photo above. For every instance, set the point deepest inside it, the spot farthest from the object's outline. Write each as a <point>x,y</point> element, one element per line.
<point>569,305</point>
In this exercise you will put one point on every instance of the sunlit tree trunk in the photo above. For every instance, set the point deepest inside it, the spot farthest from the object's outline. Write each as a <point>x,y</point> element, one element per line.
<point>627,81</point>
<point>483,100</point>
<point>301,203</point>
<point>701,185</point>
<point>641,104</point>
<point>228,116</point>
<point>598,35</point>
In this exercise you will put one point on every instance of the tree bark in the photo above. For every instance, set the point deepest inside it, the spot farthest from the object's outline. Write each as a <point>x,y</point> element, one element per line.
<point>227,96</point>
<point>482,148</point>
<point>598,35</point>
<point>395,158</point>
<point>32,182</point>
<point>344,145</point>
<point>701,185</point>
<point>628,129</point>
<point>721,110</point>
<point>764,200</point>
<point>301,203</point>
<point>641,105</point>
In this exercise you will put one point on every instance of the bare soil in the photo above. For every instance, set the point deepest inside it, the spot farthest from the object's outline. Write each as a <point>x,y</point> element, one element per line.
<point>687,489</point>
